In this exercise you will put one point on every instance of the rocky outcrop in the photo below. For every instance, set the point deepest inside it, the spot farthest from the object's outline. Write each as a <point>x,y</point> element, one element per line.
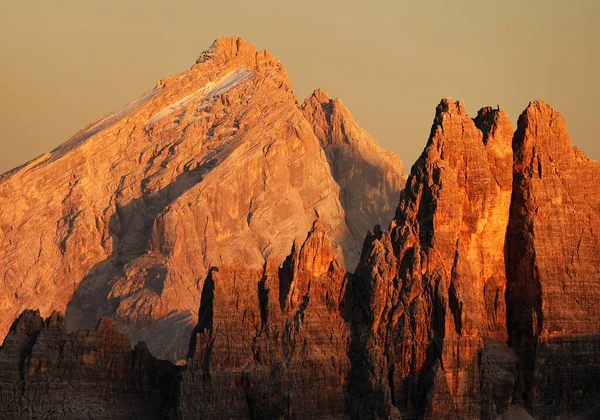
<point>370,177</point>
<point>271,343</point>
<point>431,288</point>
<point>47,373</point>
<point>479,301</point>
<point>554,266</point>
<point>214,165</point>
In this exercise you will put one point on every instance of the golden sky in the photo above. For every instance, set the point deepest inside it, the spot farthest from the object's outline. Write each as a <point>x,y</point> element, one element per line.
<point>66,62</point>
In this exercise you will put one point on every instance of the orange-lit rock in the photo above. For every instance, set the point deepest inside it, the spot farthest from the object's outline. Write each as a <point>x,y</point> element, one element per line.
<point>430,291</point>
<point>185,215</point>
<point>554,266</point>
<point>271,343</point>
<point>214,165</point>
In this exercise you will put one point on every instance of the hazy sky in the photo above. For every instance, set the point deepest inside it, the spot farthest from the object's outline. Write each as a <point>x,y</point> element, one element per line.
<point>66,62</point>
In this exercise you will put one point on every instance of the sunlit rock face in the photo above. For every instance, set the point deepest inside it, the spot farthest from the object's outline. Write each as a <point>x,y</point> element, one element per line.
<point>480,298</point>
<point>553,266</point>
<point>214,165</point>
<point>431,289</point>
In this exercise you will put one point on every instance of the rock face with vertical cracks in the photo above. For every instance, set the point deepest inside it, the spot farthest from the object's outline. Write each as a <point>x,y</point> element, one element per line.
<point>429,292</point>
<point>214,165</point>
<point>271,343</point>
<point>554,266</point>
<point>47,373</point>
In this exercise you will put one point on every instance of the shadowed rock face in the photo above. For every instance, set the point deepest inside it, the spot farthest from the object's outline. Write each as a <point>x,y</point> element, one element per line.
<point>370,178</point>
<point>214,165</point>
<point>47,373</point>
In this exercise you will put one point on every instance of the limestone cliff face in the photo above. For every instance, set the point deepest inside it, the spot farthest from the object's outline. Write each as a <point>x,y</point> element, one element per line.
<point>431,288</point>
<point>47,373</point>
<point>214,165</point>
<point>481,297</point>
<point>271,343</point>
<point>185,214</point>
<point>370,177</point>
<point>554,265</point>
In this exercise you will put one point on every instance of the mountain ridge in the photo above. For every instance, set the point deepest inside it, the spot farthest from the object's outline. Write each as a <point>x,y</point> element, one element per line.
<point>478,300</point>
<point>216,163</point>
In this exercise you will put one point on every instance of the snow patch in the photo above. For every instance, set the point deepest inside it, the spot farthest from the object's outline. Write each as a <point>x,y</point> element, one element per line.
<point>228,82</point>
<point>173,107</point>
<point>211,89</point>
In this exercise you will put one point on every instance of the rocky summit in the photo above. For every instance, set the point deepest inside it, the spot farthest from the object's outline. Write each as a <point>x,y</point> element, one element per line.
<point>281,258</point>
<point>215,165</point>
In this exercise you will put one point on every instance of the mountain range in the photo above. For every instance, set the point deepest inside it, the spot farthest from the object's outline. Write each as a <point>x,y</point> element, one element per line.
<point>219,249</point>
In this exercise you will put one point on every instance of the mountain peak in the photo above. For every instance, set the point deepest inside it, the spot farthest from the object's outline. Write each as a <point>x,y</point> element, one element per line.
<point>320,96</point>
<point>236,51</point>
<point>228,48</point>
<point>449,106</point>
<point>540,124</point>
<point>215,165</point>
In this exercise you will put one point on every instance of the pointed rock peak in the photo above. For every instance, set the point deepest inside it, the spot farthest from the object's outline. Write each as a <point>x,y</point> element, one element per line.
<point>318,106</point>
<point>448,106</point>
<point>488,111</point>
<point>228,48</point>
<point>317,252</point>
<point>242,52</point>
<point>539,106</point>
<point>451,127</point>
<point>55,318</point>
<point>494,123</point>
<point>320,96</point>
<point>29,321</point>
<point>540,112</point>
<point>320,100</point>
<point>332,121</point>
<point>106,325</point>
<point>543,125</point>
<point>236,54</point>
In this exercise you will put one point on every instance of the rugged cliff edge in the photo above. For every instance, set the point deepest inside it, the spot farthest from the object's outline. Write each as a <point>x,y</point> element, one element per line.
<point>430,290</point>
<point>481,296</point>
<point>46,372</point>
<point>214,165</point>
<point>553,266</point>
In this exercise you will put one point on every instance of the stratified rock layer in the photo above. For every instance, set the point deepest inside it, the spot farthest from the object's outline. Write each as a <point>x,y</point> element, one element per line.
<point>47,373</point>
<point>214,165</point>
<point>271,343</point>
